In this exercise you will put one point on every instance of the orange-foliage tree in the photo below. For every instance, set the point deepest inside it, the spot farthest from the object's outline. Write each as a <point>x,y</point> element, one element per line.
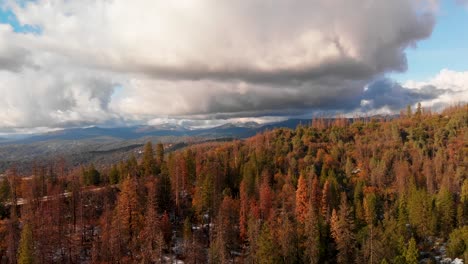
<point>366,190</point>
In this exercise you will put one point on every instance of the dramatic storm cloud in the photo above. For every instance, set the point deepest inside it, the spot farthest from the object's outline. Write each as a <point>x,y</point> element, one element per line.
<point>386,93</point>
<point>70,63</point>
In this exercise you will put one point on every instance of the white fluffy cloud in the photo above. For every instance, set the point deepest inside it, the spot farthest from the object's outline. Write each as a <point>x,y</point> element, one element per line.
<point>453,87</point>
<point>51,97</point>
<point>230,39</point>
<point>103,61</point>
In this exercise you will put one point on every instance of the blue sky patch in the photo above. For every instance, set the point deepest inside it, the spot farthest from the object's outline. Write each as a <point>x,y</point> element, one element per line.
<point>8,17</point>
<point>446,48</point>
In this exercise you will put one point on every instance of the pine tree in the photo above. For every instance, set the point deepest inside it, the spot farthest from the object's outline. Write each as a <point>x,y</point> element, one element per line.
<point>114,176</point>
<point>464,192</point>
<point>187,232</point>
<point>315,195</point>
<point>420,211</point>
<point>159,154</point>
<point>5,190</point>
<point>267,250</point>
<point>408,111</point>
<point>203,200</point>
<point>312,237</point>
<point>153,241</point>
<point>446,211</point>
<point>225,235</point>
<point>284,230</point>
<point>166,228</point>
<point>358,204</point>
<point>131,166</point>
<point>103,247</point>
<point>163,191</point>
<point>370,208</point>
<point>374,249</point>
<point>342,232</point>
<point>148,162</point>
<point>326,203</point>
<point>243,211</point>
<point>302,200</point>
<point>265,200</point>
<point>418,112</point>
<point>129,214</point>
<point>412,254</point>
<point>457,243</point>
<point>91,175</point>
<point>26,246</point>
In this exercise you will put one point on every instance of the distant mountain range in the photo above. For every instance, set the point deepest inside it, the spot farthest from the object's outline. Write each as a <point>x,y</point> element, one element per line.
<point>231,130</point>
<point>103,146</point>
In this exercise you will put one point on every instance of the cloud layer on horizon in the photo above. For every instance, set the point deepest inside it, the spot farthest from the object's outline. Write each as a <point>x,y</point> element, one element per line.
<point>112,62</point>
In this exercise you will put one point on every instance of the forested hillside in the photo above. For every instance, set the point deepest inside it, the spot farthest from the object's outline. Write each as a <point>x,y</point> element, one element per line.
<point>366,191</point>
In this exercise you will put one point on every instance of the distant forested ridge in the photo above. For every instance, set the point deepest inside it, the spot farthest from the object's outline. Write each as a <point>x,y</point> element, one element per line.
<point>368,191</point>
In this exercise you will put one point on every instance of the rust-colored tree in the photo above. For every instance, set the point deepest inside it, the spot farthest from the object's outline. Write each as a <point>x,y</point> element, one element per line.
<point>302,200</point>
<point>342,232</point>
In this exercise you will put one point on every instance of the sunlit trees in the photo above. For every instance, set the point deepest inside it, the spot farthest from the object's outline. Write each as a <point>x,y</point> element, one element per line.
<point>128,216</point>
<point>342,232</point>
<point>446,211</point>
<point>302,199</point>
<point>421,212</point>
<point>204,196</point>
<point>412,253</point>
<point>381,183</point>
<point>458,243</point>
<point>26,246</point>
<point>285,231</point>
<point>153,240</point>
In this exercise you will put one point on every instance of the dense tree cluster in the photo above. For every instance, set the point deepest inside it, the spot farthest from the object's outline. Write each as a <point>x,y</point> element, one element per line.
<point>334,191</point>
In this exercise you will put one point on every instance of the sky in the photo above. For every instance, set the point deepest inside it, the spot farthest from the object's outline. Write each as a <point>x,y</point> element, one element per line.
<point>70,63</point>
<point>446,48</point>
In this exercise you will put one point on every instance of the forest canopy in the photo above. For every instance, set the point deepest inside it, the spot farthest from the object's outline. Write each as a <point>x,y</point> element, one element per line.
<point>362,190</point>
